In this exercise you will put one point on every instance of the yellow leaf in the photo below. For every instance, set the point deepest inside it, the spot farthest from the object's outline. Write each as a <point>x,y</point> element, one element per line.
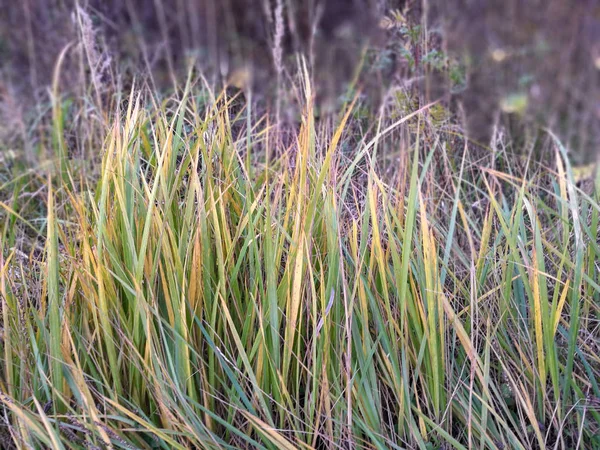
<point>514,103</point>
<point>584,172</point>
<point>269,432</point>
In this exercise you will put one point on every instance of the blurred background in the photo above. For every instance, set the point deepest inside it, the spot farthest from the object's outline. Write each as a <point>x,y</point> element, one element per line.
<point>519,64</point>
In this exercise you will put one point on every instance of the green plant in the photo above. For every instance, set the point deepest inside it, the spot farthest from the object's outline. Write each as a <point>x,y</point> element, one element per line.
<point>210,289</point>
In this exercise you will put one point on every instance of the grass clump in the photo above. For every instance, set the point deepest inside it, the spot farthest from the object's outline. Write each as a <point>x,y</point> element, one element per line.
<point>210,287</point>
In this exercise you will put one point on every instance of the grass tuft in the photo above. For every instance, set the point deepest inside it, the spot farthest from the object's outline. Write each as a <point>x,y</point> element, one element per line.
<point>211,287</point>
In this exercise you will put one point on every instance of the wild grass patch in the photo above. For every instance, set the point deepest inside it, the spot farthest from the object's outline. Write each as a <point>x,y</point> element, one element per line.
<point>211,287</point>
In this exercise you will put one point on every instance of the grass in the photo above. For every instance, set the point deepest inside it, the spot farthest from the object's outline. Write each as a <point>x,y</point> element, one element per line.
<point>211,287</point>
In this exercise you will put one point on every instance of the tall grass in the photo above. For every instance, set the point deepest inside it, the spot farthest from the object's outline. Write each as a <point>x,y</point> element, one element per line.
<point>213,288</point>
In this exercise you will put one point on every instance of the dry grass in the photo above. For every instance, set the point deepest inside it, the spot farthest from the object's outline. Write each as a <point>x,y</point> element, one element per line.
<point>208,290</point>
<point>190,271</point>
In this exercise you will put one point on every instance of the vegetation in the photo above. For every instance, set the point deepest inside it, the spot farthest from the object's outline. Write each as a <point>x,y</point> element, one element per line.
<point>193,271</point>
<point>209,289</point>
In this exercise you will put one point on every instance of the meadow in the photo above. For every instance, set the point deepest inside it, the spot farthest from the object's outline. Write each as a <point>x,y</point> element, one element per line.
<point>181,271</point>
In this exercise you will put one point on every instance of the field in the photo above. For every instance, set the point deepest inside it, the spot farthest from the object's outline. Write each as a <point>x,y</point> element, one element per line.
<point>180,270</point>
